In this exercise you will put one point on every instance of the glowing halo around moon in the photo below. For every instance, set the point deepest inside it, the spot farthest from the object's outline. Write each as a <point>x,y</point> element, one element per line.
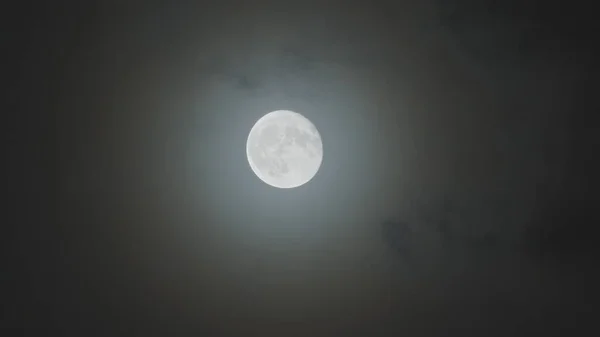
<point>284,149</point>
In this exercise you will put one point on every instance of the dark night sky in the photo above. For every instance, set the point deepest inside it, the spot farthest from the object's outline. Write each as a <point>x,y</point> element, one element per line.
<point>453,198</point>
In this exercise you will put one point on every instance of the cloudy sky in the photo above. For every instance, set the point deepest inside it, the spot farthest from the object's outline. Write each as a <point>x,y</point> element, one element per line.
<point>450,199</point>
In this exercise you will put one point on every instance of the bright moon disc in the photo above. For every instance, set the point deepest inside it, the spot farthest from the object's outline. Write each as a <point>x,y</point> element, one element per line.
<point>284,149</point>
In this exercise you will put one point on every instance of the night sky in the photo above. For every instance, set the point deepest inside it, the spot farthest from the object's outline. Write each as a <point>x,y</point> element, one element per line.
<point>453,198</point>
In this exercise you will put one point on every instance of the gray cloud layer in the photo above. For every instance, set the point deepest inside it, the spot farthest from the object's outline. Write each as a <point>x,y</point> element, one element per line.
<point>419,123</point>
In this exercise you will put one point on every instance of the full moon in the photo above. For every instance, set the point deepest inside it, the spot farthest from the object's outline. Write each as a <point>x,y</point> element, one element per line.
<point>284,149</point>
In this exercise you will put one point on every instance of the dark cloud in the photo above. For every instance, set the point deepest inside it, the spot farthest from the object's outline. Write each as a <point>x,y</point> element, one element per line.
<point>453,198</point>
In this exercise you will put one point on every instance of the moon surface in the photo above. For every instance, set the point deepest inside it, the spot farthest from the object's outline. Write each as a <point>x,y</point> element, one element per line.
<point>284,149</point>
